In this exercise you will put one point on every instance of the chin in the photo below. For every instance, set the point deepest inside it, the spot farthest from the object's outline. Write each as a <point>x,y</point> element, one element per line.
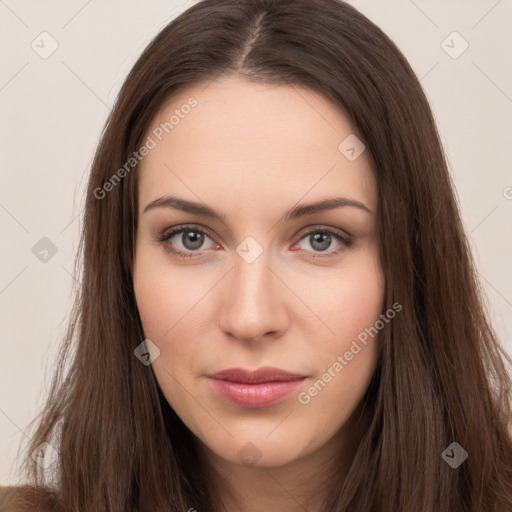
<point>260,451</point>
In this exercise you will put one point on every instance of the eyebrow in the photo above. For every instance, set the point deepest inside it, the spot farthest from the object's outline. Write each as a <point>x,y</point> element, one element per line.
<point>292,214</point>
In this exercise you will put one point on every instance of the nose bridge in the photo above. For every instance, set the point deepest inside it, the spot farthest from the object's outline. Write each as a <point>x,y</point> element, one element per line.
<point>252,279</point>
<point>252,307</point>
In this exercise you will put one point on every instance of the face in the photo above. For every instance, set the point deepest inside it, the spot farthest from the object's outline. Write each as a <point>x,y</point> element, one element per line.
<point>255,285</point>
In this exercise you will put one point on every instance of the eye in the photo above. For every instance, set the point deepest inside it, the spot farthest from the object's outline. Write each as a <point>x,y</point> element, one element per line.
<point>190,237</point>
<point>320,239</point>
<point>192,240</point>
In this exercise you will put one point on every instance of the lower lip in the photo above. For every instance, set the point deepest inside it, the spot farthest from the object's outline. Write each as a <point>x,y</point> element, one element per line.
<point>255,395</point>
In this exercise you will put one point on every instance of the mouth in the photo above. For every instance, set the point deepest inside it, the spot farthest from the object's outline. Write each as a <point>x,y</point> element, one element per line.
<point>255,389</point>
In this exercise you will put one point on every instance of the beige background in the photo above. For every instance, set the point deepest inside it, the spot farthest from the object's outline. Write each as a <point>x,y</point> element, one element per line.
<point>53,109</point>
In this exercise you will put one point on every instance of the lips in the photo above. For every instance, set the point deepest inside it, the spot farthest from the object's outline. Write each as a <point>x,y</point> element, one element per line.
<point>255,388</point>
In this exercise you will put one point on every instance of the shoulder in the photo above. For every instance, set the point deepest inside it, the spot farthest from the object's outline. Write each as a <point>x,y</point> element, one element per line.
<point>25,498</point>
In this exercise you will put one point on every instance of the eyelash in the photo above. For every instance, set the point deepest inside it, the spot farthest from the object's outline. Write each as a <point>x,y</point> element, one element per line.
<point>167,235</point>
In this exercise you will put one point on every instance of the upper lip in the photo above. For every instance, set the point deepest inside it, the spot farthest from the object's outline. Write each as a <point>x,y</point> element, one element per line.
<point>263,374</point>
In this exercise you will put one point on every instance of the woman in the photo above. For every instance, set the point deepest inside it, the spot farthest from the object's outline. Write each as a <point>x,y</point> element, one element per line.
<point>278,307</point>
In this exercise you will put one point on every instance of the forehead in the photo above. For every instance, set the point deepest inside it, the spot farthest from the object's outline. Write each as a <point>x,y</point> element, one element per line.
<point>232,138</point>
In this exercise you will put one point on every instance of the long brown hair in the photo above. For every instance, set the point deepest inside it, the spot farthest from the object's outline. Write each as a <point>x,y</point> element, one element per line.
<point>441,376</point>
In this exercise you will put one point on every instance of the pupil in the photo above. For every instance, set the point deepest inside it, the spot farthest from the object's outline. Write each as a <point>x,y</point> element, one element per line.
<point>324,239</point>
<point>193,240</point>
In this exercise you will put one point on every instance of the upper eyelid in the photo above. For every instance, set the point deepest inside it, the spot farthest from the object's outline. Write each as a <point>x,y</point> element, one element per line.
<point>171,232</point>
<point>177,229</point>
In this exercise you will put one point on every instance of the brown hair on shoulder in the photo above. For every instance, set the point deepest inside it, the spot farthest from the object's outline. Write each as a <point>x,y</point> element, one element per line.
<point>28,498</point>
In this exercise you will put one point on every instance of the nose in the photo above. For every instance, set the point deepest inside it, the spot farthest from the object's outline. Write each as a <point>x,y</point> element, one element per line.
<point>255,301</point>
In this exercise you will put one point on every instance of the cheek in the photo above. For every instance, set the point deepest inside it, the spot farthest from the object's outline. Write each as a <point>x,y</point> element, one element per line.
<point>349,303</point>
<point>175,306</point>
<point>348,356</point>
<point>359,305</point>
<point>166,299</point>
<point>155,302</point>
<point>172,305</point>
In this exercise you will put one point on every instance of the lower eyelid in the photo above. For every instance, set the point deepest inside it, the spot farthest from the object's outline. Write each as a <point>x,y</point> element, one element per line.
<point>344,242</point>
<point>166,236</point>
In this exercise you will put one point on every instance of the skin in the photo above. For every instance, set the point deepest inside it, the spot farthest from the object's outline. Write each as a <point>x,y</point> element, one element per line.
<point>253,151</point>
